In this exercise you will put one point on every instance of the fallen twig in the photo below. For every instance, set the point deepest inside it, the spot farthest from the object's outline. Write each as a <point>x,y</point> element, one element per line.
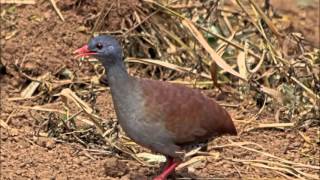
<point>57,9</point>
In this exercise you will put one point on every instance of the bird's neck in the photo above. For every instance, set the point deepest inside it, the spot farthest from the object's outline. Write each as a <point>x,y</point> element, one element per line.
<point>121,85</point>
<point>123,92</point>
<point>117,75</point>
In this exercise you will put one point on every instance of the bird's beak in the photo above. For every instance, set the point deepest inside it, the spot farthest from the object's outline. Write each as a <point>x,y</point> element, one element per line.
<point>83,51</point>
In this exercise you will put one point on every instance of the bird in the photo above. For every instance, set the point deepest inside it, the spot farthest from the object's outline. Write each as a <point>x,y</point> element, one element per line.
<point>165,117</point>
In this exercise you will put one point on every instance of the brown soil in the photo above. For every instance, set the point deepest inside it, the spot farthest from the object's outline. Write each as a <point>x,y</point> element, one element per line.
<point>36,41</point>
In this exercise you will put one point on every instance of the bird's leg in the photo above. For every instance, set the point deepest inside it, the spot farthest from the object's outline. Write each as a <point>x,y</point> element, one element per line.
<point>167,170</point>
<point>168,163</point>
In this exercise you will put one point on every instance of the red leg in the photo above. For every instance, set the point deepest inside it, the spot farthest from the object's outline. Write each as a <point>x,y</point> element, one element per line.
<point>169,163</point>
<point>168,169</point>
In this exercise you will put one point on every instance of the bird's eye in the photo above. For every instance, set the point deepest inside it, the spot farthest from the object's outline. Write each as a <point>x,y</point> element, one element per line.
<point>99,46</point>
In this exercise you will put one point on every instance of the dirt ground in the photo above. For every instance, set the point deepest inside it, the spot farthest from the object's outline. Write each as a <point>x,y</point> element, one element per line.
<point>36,41</point>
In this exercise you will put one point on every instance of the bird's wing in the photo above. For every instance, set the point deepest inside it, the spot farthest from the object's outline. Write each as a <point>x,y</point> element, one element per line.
<point>186,113</point>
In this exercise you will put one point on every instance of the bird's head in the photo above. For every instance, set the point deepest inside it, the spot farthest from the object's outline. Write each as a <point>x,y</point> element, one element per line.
<point>105,48</point>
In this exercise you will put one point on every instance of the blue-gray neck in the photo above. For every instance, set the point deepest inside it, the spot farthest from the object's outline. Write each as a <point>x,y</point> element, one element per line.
<point>125,95</point>
<point>122,87</point>
<point>118,77</point>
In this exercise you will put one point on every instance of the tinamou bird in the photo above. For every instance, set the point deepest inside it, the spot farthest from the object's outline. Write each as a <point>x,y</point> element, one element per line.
<point>164,117</point>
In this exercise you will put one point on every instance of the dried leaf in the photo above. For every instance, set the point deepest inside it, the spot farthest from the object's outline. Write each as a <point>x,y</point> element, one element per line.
<point>32,87</point>
<point>151,158</point>
<point>72,96</point>
<point>17,2</point>
<point>191,161</point>
<point>215,57</point>
<point>277,95</point>
<point>167,65</point>
<point>241,60</point>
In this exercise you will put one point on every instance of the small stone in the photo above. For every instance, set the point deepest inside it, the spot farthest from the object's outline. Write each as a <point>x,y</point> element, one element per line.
<point>137,176</point>
<point>50,144</point>
<point>115,168</point>
<point>29,66</point>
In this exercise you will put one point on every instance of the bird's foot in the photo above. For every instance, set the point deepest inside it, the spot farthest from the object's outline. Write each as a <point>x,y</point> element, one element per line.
<point>171,166</point>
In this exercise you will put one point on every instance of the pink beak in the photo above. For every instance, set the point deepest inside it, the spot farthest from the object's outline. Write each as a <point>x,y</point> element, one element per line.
<point>83,51</point>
